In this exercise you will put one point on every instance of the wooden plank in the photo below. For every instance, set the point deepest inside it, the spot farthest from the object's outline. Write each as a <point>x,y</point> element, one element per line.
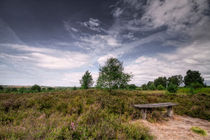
<point>155,105</point>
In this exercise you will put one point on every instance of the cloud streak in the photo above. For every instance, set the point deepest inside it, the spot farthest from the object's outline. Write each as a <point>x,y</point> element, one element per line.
<point>49,58</point>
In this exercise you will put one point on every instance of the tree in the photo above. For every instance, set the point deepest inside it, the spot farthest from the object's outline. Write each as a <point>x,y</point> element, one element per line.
<point>172,88</point>
<point>132,86</point>
<point>87,80</point>
<point>22,90</point>
<point>160,81</point>
<point>176,80</point>
<point>1,88</point>
<point>111,75</point>
<point>193,77</point>
<point>160,87</point>
<point>151,85</point>
<point>144,87</point>
<point>36,88</point>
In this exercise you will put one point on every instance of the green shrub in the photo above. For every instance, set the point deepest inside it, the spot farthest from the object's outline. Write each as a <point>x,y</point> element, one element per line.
<point>131,87</point>
<point>144,87</point>
<point>172,88</point>
<point>9,90</point>
<point>199,130</point>
<point>152,87</point>
<point>74,88</point>
<point>50,89</point>
<point>36,88</point>
<point>22,90</point>
<point>1,88</point>
<point>14,89</point>
<point>196,85</point>
<point>160,87</point>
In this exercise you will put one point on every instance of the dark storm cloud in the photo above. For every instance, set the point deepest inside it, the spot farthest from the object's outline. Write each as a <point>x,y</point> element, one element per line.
<point>52,41</point>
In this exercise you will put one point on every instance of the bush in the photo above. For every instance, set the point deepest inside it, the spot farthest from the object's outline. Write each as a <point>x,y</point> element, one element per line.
<point>8,90</point>
<point>144,87</point>
<point>196,85</point>
<point>36,88</point>
<point>160,87</point>
<point>1,88</point>
<point>132,86</point>
<point>152,87</point>
<point>22,90</point>
<point>172,88</point>
<point>50,89</point>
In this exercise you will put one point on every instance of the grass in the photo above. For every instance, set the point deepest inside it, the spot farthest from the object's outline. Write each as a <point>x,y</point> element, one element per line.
<point>185,90</point>
<point>199,130</point>
<point>88,114</point>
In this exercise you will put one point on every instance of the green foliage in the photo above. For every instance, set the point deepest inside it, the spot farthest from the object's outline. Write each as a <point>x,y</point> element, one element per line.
<point>199,130</point>
<point>160,81</point>
<point>193,77</point>
<point>22,90</point>
<point>172,88</point>
<point>50,89</point>
<point>160,87</point>
<point>1,88</point>
<point>131,87</point>
<point>144,87</point>
<point>13,89</point>
<point>36,88</point>
<point>151,85</point>
<point>87,80</point>
<point>111,75</point>
<point>74,88</point>
<point>176,80</point>
<point>196,85</point>
<point>10,90</point>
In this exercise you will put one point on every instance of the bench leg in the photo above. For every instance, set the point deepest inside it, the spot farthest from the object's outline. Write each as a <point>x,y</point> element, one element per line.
<point>170,111</point>
<point>144,113</point>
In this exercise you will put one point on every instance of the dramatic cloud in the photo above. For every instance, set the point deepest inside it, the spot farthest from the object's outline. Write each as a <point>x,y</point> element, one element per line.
<point>152,37</point>
<point>176,14</point>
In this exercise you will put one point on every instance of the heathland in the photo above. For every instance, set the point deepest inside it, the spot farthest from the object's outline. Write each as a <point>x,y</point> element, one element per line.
<point>92,113</point>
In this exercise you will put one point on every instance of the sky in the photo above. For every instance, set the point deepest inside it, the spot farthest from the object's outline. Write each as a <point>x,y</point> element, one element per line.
<point>53,42</point>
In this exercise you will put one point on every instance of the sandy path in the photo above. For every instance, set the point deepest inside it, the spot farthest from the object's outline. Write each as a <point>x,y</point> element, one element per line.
<point>177,128</point>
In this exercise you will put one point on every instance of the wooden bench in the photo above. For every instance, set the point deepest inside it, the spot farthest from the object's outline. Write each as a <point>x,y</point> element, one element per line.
<point>145,107</point>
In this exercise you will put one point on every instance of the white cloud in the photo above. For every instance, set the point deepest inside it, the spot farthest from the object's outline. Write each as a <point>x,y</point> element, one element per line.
<point>27,48</point>
<point>117,12</point>
<point>66,61</point>
<point>93,24</point>
<point>99,44</point>
<point>49,58</point>
<point>176,14</point>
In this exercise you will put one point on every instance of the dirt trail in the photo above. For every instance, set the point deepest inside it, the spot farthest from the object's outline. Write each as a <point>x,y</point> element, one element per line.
<point>177,128</point>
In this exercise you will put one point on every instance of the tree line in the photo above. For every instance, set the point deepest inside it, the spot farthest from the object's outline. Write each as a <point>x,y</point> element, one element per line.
<point>112,76</point>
